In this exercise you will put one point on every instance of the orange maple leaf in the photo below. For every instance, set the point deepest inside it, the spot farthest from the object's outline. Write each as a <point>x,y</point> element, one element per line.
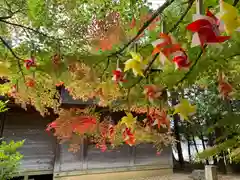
<point>224,87</point>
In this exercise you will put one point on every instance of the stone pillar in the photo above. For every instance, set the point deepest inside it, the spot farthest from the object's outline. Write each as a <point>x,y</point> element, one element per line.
<point>211,172</point>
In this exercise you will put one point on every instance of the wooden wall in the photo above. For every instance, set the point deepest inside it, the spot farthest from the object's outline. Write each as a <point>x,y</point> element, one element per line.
<point>39,146</point>
<point>125,158</point>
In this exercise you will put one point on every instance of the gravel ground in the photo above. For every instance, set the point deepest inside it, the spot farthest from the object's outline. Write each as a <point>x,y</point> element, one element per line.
<point>185,177</point>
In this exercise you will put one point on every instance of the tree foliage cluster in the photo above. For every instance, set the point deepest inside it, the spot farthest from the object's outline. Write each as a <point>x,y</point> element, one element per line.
<point>106,51</point>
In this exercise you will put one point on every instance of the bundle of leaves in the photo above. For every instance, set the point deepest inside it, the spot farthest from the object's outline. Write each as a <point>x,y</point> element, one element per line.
<point>75,124</point>
<point>9,159</point>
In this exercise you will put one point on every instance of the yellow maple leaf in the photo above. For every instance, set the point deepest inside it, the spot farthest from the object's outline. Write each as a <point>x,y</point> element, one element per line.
<point>137,64</point>
<point>185,109</point>
<point>128,120</point>
<point>229,15</point>
<point>4,71</point>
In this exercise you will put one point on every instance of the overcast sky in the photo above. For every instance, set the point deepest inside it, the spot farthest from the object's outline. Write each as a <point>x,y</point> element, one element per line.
<point>156,3</point>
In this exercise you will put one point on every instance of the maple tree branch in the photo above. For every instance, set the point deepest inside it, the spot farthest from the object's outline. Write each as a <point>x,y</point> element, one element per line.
<point>190,3</point>
<point>28,28</point>
<point>146,24</point>
<point>15,55</point>
<point>198,58</point>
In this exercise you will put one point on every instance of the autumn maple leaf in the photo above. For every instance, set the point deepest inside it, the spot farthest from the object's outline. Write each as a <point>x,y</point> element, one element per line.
<point>224,87</point>
<point>129,137</point>
<point>52,125</point>
<point>84,124</point>
<point>180,58</point>
<point>185,109</point>
<point>30,82</point>
<point>229,15</point>
<point>152,92</point>
<point>30,63</point>
<point>118,76</point>
<point>166,46</point>
<point>128,120</point>
<point>206,30</point>
<point>105,44</point>
<point>137,64</point>
<point>160,119</point>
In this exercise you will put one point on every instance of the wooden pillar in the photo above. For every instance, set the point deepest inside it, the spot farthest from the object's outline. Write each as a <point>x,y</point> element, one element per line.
<point>211,172</point>
<point>25,177</point>
<point>84,153</point>
<point>2,121</point>
<point>132,155</point>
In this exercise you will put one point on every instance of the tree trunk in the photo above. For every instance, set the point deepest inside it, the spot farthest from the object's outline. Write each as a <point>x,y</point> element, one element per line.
<point>203,144</point>
<point>189,149</point>
<point>176,119</point>
<point>221,163</point>
<point>195,144</point>
<point>178,138</point>
<point>211,144</point>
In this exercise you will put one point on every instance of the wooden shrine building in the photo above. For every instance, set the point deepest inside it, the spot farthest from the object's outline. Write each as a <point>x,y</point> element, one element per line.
<point>44,156</point>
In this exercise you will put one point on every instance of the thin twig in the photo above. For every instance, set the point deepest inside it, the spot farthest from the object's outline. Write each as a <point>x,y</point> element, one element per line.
<point>17,57</point>
<point>10,16</point>
<point>146,24</point>
<point>191,68</point>
<point>107,64</point>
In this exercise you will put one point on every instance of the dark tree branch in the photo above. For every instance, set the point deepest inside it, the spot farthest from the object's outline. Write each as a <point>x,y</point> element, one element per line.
<point>5,17</point>
<point>235,2</point>
<point>146,24</point>
<point>14,54</point>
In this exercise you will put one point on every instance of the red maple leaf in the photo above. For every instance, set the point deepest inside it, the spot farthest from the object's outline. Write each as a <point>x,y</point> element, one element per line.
<point>207,30</point>
<point>52,125</point>
<point>30,63</point>
<point>129,137</point>
<point>181,59</point>
<point>84,124</point>
<point>118,76</point>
